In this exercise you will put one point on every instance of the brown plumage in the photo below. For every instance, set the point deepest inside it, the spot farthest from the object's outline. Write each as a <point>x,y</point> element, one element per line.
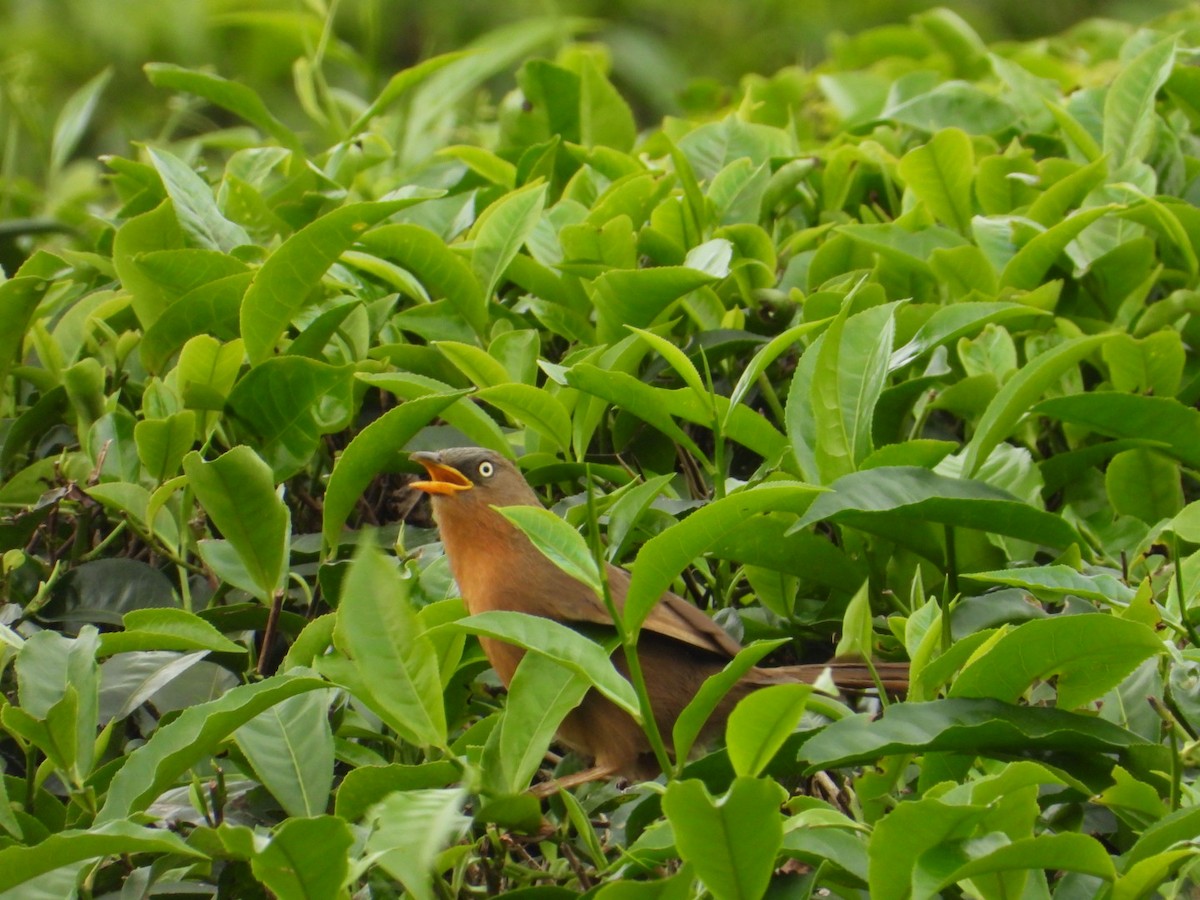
<point>497,567</point>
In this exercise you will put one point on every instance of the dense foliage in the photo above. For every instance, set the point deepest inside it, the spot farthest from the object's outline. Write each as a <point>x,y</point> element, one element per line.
<point>892,356</point>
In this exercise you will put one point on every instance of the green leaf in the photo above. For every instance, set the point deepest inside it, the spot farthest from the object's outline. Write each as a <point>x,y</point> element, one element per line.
<point>492,54</point>
<point>949,323</point>
<point>1055,852</point>
<point>8,821</point>
<point>130,679</point>
<point>766,355</point>
<point>206,371</point>
<point>402,83</point>
<point>761,722</point>
<point>463,414</point>
<point>74,118</point>
<point>640,297</point>
<point>166,629</point>
<point>1144,484</point>
<point>369,453</point>
<point>195,735</point>
<point>857,631</point>
<point>656,406</point>
<point>158,229</point>
<point>362,787</point>
<point>101,591</point>
<point>564,645</point>
<point>501,231</point>
<point>290,747</point>
<point>208,309</point>
<point>648,403</point>
<point>438,268</point>
<point>693,718</point>
<point>284,282</point>
<point>19,299</point>
<point>305,858</point>
<point>605,119</point>
<point>960,724</point>
<point>557,541</point>
<point>1180,825</point>
<point>541,694</point>
<point>163,443</point>
<point>665,555</point>
<point>896,497</point>
<point>289,402</point>
<point>1186,523</point>
<point>1129,113</point>
<point>731,842</point>
<point>193,200</point>
<point>907,249</point>
<point>59,696</point>
<point>233,96</point>
<point>941,173</point>
<point>851,368</point>
<point>238,493</point>
<point>714,145</point>
<point>1175,427</point>
<point>965,271</point>
<point>676,359</point>
<point>393,660</point>
<point>113,838</point>
<point>1058,581</point>
<point>1087,656</point>
<point>1020,392</point>
<point>1028,267</point>
<point>1153,365</point>
<point>410,829</point>
<point>1067,193</point>
<point>475,362</point>
<point>912,829</point>
<point>954,104</point>
<point>535,407</point>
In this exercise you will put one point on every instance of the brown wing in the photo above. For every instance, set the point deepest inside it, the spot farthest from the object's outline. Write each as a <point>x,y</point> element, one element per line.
<point>676,618</point>
<point>847,674</point>
<point>569,600</point>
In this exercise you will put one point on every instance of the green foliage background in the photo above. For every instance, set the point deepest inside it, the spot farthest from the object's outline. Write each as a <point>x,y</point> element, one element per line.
<point>891,353</point>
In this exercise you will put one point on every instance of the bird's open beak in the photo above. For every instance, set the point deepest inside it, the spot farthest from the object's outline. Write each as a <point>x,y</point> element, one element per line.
<point>443,479</point>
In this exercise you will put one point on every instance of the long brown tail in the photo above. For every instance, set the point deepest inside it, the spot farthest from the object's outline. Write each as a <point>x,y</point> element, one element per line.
<point>848,675</point>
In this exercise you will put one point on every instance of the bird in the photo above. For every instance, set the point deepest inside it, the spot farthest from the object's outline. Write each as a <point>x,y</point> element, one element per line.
<point>497,567</point>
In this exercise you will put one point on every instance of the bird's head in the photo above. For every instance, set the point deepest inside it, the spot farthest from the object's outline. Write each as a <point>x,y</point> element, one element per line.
<point>472,477</point>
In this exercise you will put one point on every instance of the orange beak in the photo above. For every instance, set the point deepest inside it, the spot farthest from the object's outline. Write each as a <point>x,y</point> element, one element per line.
<point>443,479</point>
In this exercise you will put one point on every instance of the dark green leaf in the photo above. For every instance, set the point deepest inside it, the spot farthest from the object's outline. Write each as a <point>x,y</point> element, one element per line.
<point>290,747</point>
<point>306,858</point>
<point>289,402</point>
<point>193,736</point>
<point>1175,426</point>
<point>283,283</point>
<point>438,268</point>
<point>761,722</point>
<point>564,645</point>
<point>193,199</point>
<point>1086,656</point>
<point>230,95</point>
<point>887,495</point>
<point>941,173</point>
<point>974,726</point>
<point>113,838</point>
<point>238,493</point>
<point>369,453</point>
<point>663,557</point>
<point>394,663</point>
<point>732,842</point>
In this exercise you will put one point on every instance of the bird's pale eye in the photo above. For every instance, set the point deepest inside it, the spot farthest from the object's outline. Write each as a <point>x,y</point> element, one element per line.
<point>486,469</point>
